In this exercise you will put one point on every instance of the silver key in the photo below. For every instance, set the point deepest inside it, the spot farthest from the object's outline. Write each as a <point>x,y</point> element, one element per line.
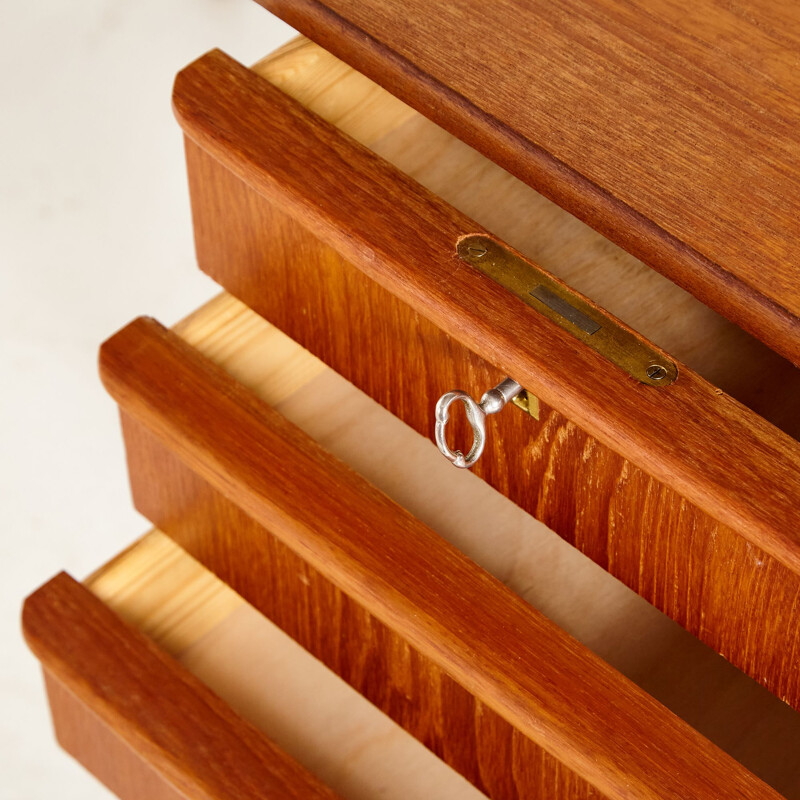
<point>493,401</point>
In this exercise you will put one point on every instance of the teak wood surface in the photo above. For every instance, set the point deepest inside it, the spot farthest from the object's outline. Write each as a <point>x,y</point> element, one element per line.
<point>735,598</point>
<point>581,597</point>
<point>140,721</point>
<point>671,130</point>
<point>642,298</point>
<point>269,679</point>
<point>97,746</point>
<point>456,617</point>
<point>722,458</point>
<point>641,531</point>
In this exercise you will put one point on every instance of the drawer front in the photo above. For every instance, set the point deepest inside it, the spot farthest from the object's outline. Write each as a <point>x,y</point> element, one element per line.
<point>597,466</point>
<point>490,685</point>
<point>210,634</point>
<point>137,719</point>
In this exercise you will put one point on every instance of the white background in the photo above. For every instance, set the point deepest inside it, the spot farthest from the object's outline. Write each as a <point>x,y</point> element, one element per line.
<point>94,231</point>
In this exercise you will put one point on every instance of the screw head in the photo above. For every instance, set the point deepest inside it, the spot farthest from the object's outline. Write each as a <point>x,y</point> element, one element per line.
<point>656,372</point>
<point>477,250</point>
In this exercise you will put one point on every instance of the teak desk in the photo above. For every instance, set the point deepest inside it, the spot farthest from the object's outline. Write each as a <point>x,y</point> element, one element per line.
<point>598,201</point>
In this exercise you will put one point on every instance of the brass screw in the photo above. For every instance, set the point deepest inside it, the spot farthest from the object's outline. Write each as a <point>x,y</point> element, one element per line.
<point>656,372</point>
<point>477,250</point>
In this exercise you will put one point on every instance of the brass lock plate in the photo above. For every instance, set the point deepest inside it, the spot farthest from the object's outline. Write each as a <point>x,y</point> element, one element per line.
<point>568,310</point>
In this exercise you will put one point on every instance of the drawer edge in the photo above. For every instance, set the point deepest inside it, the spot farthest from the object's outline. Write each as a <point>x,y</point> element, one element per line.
<point>148,707</point>
<point>551,689</point>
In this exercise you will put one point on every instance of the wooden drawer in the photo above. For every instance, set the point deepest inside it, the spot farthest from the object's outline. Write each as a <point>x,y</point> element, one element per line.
<point>462,662</point>
<point>142,719</point>
<point>687,493</point>
<point>132,715</point>
<point>465,664</point>
<point>500,620</point>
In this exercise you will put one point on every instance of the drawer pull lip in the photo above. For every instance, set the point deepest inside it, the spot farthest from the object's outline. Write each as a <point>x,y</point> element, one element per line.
<point>492,401</point>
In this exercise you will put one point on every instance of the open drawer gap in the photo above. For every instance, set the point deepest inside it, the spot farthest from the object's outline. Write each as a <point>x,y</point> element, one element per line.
<point>267,678</point>
<point>713,696</point>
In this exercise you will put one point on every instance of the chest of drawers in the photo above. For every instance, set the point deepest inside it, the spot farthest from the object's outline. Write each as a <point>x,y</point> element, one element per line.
<point>333,210</point>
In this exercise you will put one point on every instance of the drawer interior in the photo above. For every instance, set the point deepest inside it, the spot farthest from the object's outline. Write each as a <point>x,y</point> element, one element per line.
<point>641,642</point>
<point>651,304</point>
<point>267,678</point>
<point>312,714</point>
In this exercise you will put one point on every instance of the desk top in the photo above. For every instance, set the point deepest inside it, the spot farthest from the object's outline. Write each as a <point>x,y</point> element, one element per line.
<point>673,129</point>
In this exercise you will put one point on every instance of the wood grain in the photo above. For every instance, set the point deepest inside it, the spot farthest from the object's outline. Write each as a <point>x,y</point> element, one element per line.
<point>644,299</point>
<point>515,662</point>
<point>98,747</point>
<point>642,532</point>
<point>722,458</point>
<point>269,679</point>
<point>671,131</point>
<point>344,740</point>
<point>658,545</point>
<point>375,661</point>
<point>554,577</point>
<point>186,736</point>
<point>154,587</point>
